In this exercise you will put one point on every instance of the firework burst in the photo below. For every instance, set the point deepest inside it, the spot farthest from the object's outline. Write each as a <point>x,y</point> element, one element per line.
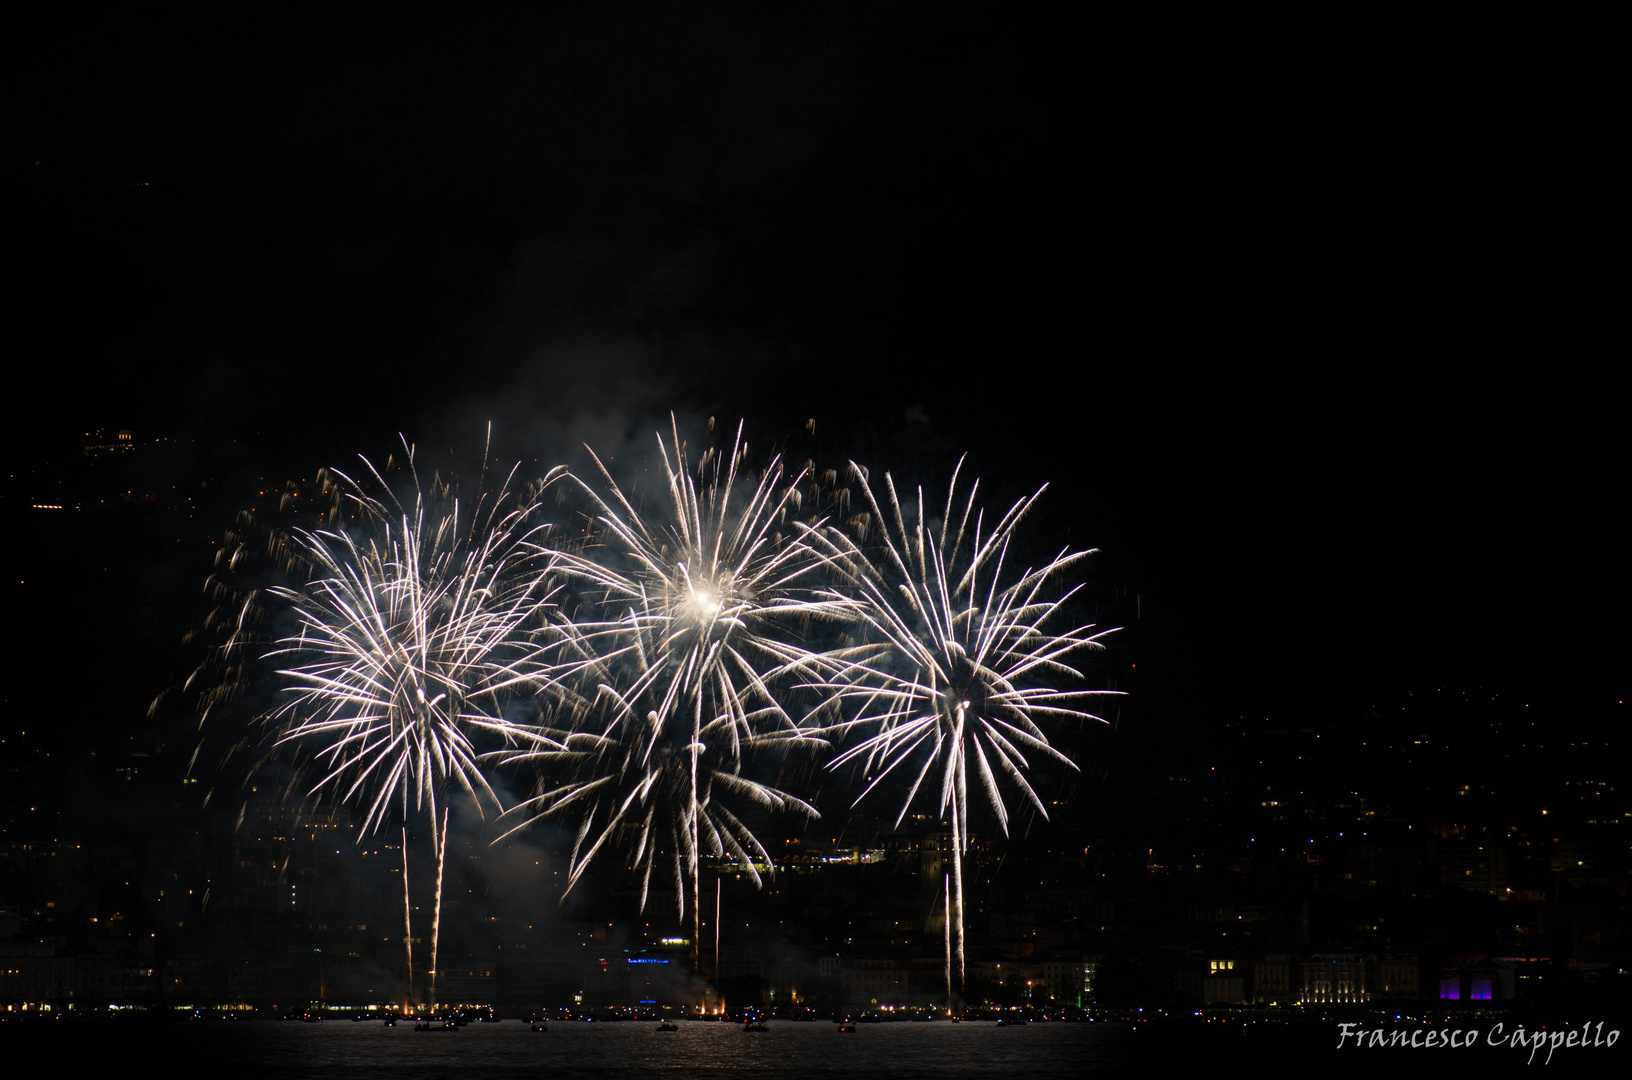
<point>413,629</point>
<point>961,670</point>
<point>669,681</point>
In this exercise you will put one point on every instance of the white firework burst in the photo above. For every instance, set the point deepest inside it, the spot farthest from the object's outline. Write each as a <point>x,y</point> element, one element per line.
<point>670,679</point>
<point>413,630</point>
<point>962,666</point>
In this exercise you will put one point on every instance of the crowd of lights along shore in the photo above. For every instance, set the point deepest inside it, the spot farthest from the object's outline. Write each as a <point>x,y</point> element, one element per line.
<point>635,663</point>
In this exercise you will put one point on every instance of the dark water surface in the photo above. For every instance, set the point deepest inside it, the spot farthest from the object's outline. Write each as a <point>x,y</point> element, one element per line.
<point>342,1049</point>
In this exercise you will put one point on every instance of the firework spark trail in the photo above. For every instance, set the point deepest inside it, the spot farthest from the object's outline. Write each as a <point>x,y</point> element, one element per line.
<point>413,628</point>
<point>946,893</point>
<point>407,911</point>
<point>669,681</point>
<point>961,666</point>
<point>441,840</point>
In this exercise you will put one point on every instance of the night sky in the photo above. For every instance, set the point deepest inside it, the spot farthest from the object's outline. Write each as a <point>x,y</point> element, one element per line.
<point>1299,338</point>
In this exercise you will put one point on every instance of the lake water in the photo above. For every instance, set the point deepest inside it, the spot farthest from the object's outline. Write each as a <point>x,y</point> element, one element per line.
<point>358,1050</point>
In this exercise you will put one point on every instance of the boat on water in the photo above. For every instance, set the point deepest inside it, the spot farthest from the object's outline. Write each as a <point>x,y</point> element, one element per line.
<point>434,1025</point>
<point>667,1026</point>
<point>753,1025</point>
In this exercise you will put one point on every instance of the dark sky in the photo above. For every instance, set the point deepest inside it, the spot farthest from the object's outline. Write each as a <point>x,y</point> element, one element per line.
<point>1304,344</point>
